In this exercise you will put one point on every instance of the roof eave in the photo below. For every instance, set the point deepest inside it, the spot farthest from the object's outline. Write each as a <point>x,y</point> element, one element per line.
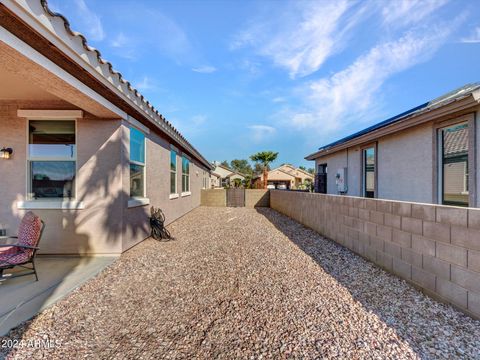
<point>455,106</point>
<point>129,95</point>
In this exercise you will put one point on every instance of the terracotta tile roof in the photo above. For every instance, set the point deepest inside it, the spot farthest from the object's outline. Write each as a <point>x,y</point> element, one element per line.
<point>153,114</point>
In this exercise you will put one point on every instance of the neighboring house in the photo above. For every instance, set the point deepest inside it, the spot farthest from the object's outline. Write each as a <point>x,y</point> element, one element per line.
<point>85,150</point>
<point>227,175</point>
<point>428,154</point>
<point>285,176</point>
<point>215,180</point>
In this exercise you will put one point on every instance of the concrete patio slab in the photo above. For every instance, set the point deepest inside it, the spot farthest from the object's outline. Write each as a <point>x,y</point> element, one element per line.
<point>22,298</point>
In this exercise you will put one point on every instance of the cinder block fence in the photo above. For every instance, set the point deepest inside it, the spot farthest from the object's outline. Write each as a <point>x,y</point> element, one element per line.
<point>434,247</point>
<point>218,197</point>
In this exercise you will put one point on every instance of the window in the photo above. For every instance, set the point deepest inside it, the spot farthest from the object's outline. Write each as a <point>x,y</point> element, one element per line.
<point>185,175</point>
<point>369,172</point>
<point>137,163</point>
<point>51,159</point>
<point>321,179</point>
<point>453,142</point>
<point>173,171</point>
<point>205,180</point>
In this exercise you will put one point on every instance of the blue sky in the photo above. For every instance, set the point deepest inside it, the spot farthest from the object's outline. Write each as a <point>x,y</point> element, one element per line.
<point>237,77</point>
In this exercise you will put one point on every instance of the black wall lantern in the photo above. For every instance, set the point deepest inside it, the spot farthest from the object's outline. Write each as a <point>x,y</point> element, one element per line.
<point>6,153</point>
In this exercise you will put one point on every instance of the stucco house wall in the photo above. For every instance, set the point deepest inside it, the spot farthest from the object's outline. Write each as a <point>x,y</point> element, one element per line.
<point>351,159</point>
<point>406,163</point>
<point>47,67</point>
<point>135,219</point>
<point>94,229</point>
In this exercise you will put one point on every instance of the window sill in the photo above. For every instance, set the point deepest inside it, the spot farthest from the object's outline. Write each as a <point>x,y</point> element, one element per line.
<point>174,196</point>
<point>51,204</point>
<point>187,193</point>
<point>135,202</point>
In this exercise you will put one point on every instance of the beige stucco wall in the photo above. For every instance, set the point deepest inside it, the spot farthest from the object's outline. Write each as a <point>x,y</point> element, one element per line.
<point>95,229</point>
<point>106,225</point>
<point>350,159</point>
<point>405,165</point>
<point>477,133</point>
<point>135,220</point>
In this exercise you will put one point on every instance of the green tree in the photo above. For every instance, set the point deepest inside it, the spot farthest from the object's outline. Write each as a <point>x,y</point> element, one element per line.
<point>225,163</point>
<point>258,168</point>
<point>311,170</point>
<point>264,158</point>
<point>302,168</point>
<point>242,166</point>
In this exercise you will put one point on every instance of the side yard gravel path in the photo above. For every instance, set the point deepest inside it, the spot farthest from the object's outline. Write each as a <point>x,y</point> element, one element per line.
<point>240,284</point>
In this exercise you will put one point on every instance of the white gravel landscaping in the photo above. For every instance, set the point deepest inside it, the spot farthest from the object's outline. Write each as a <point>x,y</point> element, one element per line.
<point>240,283</point>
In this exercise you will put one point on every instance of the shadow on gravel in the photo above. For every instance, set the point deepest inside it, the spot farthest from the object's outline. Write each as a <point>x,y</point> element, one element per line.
<point>419,320</point>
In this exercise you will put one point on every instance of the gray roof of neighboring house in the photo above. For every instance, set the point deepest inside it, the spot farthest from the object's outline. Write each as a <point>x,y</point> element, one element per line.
<point>451,96</point>
<point>456,142</point>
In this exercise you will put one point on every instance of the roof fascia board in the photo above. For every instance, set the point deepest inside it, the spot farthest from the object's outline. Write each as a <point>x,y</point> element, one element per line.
<point>101,71</point>
<point>411,121</point>
<point>58,36</point>
<point>32,54</point>
<point>135,123</point>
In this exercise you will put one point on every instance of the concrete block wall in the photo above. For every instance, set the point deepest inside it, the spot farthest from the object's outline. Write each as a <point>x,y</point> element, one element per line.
<point>257,198</point>
<point>436,248</point>
<point>213,197</point>
<point>218,197</point>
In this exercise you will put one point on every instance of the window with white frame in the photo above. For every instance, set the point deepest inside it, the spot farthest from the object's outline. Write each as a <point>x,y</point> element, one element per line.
<point>185,174</point>
<point>173,171</point>
<point>51,159</point>
<point>137,163</point>
<point>453,169</point>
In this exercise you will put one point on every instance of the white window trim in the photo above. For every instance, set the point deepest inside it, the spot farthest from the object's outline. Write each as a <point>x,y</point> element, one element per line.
<point>134,199</point>
<point>50,204</point>
<point>138,201</point>
<point>173,148</point>
<point>43,114</point>
<point>189,183</point>
<point>439,135</point>
<point>174,196</point>
<point>67,115</point>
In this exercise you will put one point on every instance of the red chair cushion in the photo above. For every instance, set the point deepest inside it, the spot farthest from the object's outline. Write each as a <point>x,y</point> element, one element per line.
<point>29,230</point>
<point>12,259</point>
<point>8,250</point>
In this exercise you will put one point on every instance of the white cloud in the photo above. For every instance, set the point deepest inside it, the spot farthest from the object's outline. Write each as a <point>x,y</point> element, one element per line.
<point>301,40</point>
<point>206,69</point>
<point>148,32</point>
<point>404,12</point>
<point>279,99</point>
<point>120,40</point>
<point>91,21</point>
<point>198,120</point>
<point>473,38</point>
<point>260,133</point>
<point>349,95</point>
<point>192,127</point>
<point>145,84</point>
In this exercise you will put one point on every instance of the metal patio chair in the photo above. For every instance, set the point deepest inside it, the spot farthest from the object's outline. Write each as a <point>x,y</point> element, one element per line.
<point>23,252</point>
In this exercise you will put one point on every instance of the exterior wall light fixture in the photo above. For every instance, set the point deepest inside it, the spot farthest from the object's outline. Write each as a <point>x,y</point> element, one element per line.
<point>6,153</point>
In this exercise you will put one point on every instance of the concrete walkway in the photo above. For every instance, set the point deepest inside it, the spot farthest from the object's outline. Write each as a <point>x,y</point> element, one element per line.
<point>22,298</point>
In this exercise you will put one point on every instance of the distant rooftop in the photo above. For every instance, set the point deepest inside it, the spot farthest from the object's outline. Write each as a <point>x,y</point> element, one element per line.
<point>451,96</point>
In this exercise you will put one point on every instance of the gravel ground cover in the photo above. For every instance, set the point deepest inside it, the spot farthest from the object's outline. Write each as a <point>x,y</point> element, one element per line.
<point>241,284</point>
